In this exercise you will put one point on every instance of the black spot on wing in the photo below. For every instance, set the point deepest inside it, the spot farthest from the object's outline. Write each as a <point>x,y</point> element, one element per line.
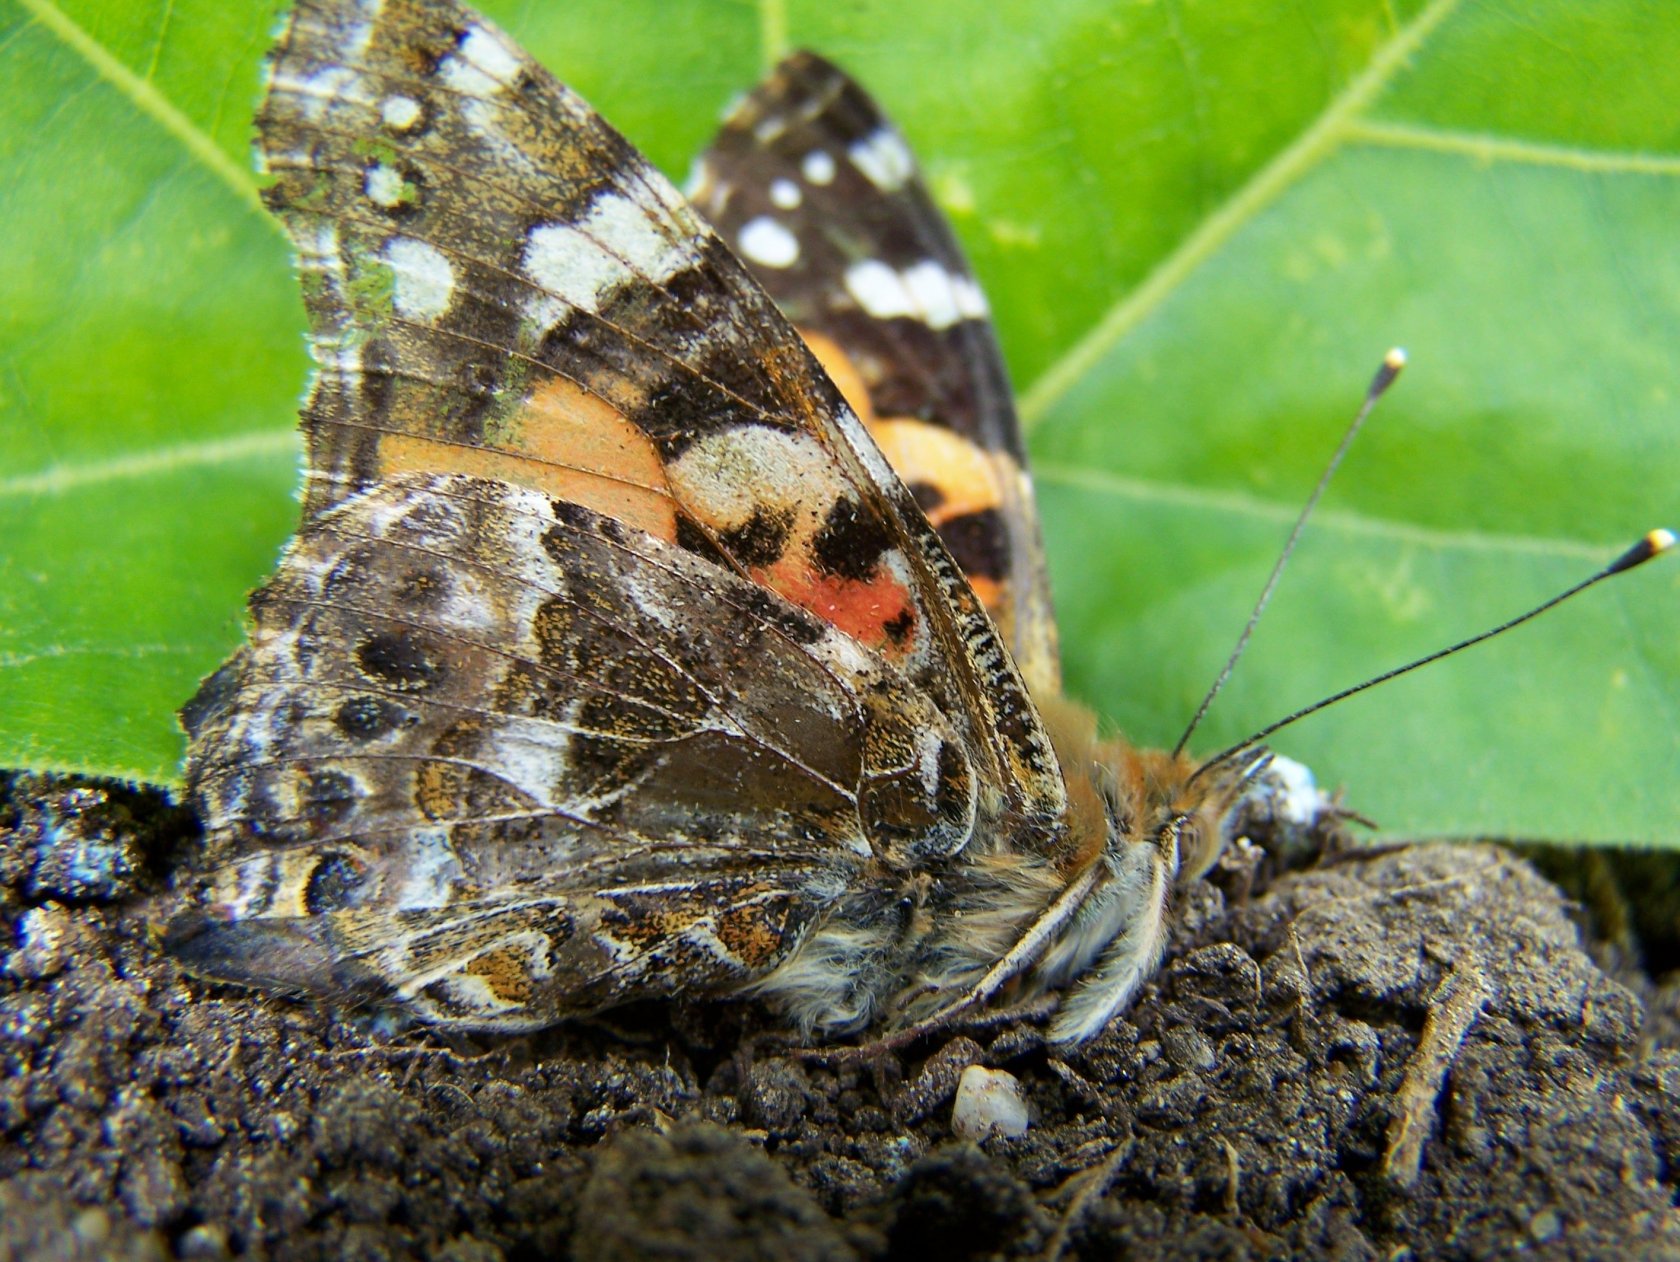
<point>336,883</point>
<point>979,542</point>
<point>927,496</point>
<point>851,542</point>
<point>692,537</point>
<point>368,718</point>
<point>800,627</point>
<point>570,514</point>
<point>761,539</point>
<point>326,798</point>
<point>398,659</point>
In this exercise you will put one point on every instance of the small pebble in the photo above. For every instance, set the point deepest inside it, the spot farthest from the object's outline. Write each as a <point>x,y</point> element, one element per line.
<point>988,1103</point>
<point>43,936</point>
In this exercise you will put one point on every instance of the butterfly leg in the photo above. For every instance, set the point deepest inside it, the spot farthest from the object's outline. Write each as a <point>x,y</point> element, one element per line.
<point>1141,882</point>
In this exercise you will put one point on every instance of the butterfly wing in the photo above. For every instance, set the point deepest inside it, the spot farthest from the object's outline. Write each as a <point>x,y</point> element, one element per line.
<point>504,759</point>
<point>819,195</point>
<point>611,650</point>
<point>499,284</point>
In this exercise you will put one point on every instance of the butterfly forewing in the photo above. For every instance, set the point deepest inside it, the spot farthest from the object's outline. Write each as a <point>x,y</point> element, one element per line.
<point>819,195</point>
<point>499,285</point>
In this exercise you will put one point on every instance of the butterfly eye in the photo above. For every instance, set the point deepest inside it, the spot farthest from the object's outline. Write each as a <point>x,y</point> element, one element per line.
<point>1199,844</point>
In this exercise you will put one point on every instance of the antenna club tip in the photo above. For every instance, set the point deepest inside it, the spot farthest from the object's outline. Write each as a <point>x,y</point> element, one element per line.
<point>1653,543</point>
<point>1390,368</point>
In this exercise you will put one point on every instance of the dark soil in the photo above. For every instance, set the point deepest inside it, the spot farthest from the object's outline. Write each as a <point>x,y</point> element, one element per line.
<point>1404,1054</point>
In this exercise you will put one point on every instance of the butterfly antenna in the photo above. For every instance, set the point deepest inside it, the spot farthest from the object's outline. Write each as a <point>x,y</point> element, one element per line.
<point>1653,544</point>
<point>1392,363</point>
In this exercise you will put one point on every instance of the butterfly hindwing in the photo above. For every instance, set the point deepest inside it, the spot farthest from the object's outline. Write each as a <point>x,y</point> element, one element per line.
<point>499,285</point>
<point>819,195</point>
<point>506,759</point>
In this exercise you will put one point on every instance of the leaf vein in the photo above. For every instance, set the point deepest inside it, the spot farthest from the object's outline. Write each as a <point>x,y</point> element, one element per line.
<point>1263,188</point>
<point>61,479</point>
<point>145,97</point>
<point>1489,149</point>
<point>772,31</point>
<point>1182,495</point>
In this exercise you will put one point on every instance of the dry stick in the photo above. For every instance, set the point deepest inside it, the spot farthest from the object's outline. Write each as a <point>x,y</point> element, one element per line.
<point>1233,1176</point>
<point>1096,1182</point>
<point>1453,1009</point>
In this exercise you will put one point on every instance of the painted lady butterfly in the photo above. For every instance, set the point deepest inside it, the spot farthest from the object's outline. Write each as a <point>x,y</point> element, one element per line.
<point>656,625</point>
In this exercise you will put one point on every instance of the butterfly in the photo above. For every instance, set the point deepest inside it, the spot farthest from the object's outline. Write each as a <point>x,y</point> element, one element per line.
<point>668,613</point>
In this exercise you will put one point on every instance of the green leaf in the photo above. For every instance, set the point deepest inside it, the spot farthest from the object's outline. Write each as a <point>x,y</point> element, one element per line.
<point>1200,227</point>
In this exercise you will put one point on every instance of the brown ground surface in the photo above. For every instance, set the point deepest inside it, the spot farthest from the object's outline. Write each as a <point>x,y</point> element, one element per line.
<point>1402,1055</point>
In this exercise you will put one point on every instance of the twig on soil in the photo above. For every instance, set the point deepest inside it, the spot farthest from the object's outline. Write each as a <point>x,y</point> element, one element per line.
<point>1080,1085</point>
<point>1453,1009</point>
<point>1233,1176</point>
<point>1088,1187</point>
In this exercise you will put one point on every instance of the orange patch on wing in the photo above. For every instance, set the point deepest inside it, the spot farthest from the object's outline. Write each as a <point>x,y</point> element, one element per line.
<point>564,442</point>
<point>991,592</point>
<point>842,372</point>
<point>965,476</point>
<point>505,972</point>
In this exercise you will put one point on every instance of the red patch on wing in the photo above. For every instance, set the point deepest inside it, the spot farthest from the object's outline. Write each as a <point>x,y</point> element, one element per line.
<point>879,614</point>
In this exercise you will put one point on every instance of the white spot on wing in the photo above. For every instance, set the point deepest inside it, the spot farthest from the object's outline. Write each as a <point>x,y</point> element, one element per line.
<point>616,241</point>
<point>429,869</point>
<point>361,34</point>
<point>817,167</point>
<point>930,286</point>
<point>971,303</point>
<point>529,754</point>
<point>785,194</point>
<point>348,40</point>
<point>622,226</point>
<point>562,261</point>
<point>729,475</point>
<point>878,290</point>
<point>765,241</point>
<point>384,185</point>
<point>926,292</point>
<point>399,113</point>
<point>883,159</point>
<point>929,744</point>
<point>320,253</point>
<point>336,348</point>
<point>481,66</point>
<point>328,86</point>
<point>424,281</point>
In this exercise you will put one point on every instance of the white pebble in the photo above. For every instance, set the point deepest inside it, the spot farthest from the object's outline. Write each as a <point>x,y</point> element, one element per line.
<point>43,943</point>
<point>988,1103</point>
